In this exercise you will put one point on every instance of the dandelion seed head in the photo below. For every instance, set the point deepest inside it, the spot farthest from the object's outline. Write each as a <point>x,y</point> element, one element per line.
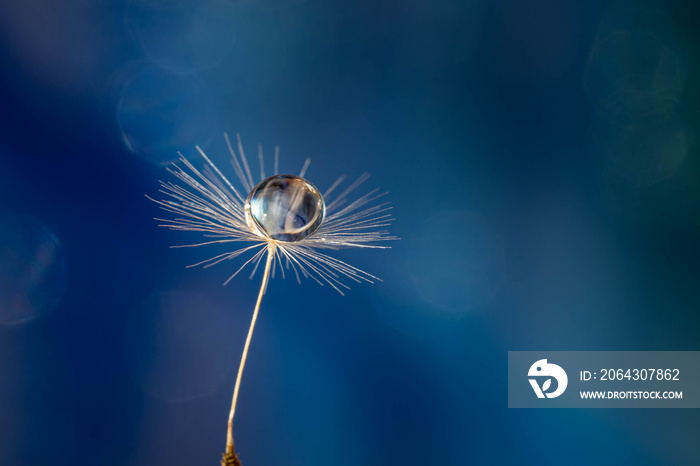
<point>284,214</point>
<point>286,219</point>
<point>285,208</point>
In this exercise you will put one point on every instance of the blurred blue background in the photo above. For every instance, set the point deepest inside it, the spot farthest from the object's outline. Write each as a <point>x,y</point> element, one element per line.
<point>542,160</point>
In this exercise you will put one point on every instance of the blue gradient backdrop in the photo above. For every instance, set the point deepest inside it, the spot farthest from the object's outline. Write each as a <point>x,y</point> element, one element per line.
<point>542,160</point>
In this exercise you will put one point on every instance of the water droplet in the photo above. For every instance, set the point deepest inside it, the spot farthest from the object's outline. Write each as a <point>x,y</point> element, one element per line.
<point>285,208</point>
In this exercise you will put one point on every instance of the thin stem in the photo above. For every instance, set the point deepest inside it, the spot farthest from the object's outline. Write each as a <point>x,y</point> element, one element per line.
<point>265,279</point>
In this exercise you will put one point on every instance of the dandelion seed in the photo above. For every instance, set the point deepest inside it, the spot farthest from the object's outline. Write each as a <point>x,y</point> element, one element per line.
<point>287,220</point>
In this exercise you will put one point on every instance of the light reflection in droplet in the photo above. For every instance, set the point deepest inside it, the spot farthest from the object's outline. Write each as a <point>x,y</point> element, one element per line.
<point>457,261</point>
<point>178,346</point>
<point>183,37</point>
<point>32,272</point>
<point>285,208</point>
<point>160,113</point>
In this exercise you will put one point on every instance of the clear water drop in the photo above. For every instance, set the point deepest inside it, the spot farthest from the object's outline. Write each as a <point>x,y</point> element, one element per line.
<point>285,208</point>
